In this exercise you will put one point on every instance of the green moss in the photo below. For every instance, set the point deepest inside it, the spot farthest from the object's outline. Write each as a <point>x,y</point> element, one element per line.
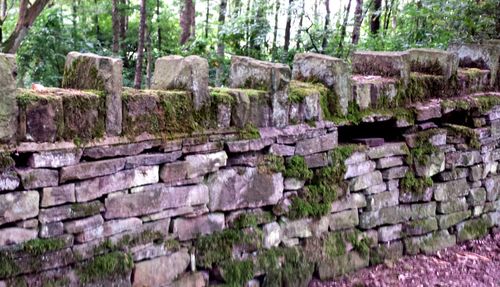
<point>147,236</point>
<point>412,184</point>
<point>216,248</point>
<point>27,97</point>
<point>85,209</point>
<point>108,266</point>
<point>300,90</point>
<point>433,68</point>
<point>486,103</point>
<point>272,164</point>
<point>249,132</point>
<point>222,96</point>
<point>82,74</point>
<point>77,123</point>
<point>172,245</point>
<point>467,133</point>
<point>421,153</point>
<point>59,282</point>
<point>296,167</point>
<point>237,273</point>
<point>8,266</point>
<point>245,220</point>
<point>474,229</point>
<point>334,245</point>
<point>40,246</point>
<point>6,161</point>
<point>18,282</point>
<point>285,267</point>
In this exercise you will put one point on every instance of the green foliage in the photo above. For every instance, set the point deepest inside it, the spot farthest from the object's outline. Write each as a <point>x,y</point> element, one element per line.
<point>40,246</point>
<point>467,133</point>
<point>237,273</point>
<point>6,161</point>
<point>272,164</point>
<point>252,219</point>
<point>108,266</point>
<point>8,266</point>
<point>296,167</point>
<point>412,184</point>
<point>217,247</point>
<point>249,132</point>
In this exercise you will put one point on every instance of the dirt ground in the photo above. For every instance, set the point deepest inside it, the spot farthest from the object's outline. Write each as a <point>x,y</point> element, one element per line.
<point>474,263</point>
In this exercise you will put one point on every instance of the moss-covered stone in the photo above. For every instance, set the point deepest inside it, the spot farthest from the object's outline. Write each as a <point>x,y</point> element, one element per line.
<point>468,134</point>
<point>40,246</point>
<point>108,266</point>
<point>473,229</point>
<point>296,167</point>
<point>412,184</point>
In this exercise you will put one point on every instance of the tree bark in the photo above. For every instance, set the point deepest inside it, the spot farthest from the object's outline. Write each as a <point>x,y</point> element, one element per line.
<point>220,43</point>
<point>149,60</point>
<point>275,32</point>
<point>247,28</point>
<point>288,27</point>
<point>207,18</point>
<point>324,43</point>
<point>187,21</point>
<point>358,19</point>
<point>344,27</point>
<point>140,46</point>
<point>115,19</point>
<point>27,16</point>
<point>158,22</point>
<point>301,21</point>
<point>375,19</point>
<point>123,32</point>
<point>497,20</point>
<point>316,14</point>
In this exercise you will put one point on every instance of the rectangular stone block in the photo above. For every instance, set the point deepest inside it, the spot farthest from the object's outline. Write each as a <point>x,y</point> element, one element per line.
<point>193,166</point>
<point>109,228</point>
<point>318,144</point>
<point>162,270</point>
<point>189,228</point>
<point>451,190</point>
<point>91,169</point>
<point>386,64</point>
<point>54,159</point>
<point>58,195</point>
<point>9,180</point>
<point>84,115</point>
<point>358,169</point>
<point>18,205</point>
<point>430,243</point>
<point>448,220</point>
<point>70,211</point>
<point>343,220</point>
<point>396,214</point>
<point>80,225</point>
<point>420,227</point>
<point>381,200</point>
<point>9,110</point>
<point>36,178</point>
<point>434,62</point>
<point>387,150</point>
<point>248,73</point>
<point>366,180</point>
<point>452,206</point>
<point>390,233</point>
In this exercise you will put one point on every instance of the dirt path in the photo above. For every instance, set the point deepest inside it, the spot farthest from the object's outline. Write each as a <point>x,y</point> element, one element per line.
<point>475,263</point>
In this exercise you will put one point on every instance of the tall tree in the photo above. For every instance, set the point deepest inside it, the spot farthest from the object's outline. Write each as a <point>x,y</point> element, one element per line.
<point>324,43</point>
<point>140,46</point>
<point>123,31</point>
<point>27,15</point>
<point>207,19</point>
<point>96,23</point>
<point>497,20</point>
<point>344,27</point>
<point>275,31</point>
<point>187,21</point>
<point>288,27</point>
<point>220,43</point>
<point>358,19</point>
<point>115,19</point>
<point>158,24</point>
<point>301,22</point>
<point>375,19</point>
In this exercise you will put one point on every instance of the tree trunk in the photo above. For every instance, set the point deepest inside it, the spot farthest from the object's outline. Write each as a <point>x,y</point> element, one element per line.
<point>375,19</point>
<point>275,32</point>
<point>149,60</point>
<point>187,21</point>
<point>316,14</point>
<point>96,24</point>
<point>247,28</point>
<point>220,43</point>
<point>158,23</point>
<point>115,19</point>
<point>140,46</point>
<point>301,21</point>
<point>207,19</point>
<point>123,32</point>
<point>497,20</point>
<point>344,27</point>
<point>324,43</point>
<point>288,27</point>
<point>358,19</point>
<point>27,16</point>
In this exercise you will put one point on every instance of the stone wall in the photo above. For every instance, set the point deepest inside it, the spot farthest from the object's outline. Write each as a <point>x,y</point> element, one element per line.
<point>284,176</point>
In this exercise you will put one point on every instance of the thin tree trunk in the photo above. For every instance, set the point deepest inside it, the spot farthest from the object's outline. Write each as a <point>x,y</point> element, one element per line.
<point>2,20</point>
<point>288,27</point>
<point>158,23</point>
<point>324,43</point>
<point>96,24</point>
<point>140,46</point>
<point>115,19</point>
<point>149,60</point>
<point>497,20</point>
<point>344,27</point>
<point>74,16</point>
<point>301,21</point>
<point>247,28</point>
<point>186,21</point>
<point>123,32</point>
<point>220,43</point>
<point>316,14</point>
<point>275,32</point>
<point>358,19</point>
<point>375,19</point>
<point>207,19</point>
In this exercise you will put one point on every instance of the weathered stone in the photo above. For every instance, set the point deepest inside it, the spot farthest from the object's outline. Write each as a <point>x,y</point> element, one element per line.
<point>192,280</point>
<point>293,184</point>
<point>343,220</point>
<point>450,190</point>
<point>342,265</point>
<point>160,271</point>
<point>242,188</point>
<point>193,166</point>
<point>448,220</point>
<point>473,229</point>
<point>203,148</point>
<point>271,235</point>
<point>97,187</point>
<point>188,211</point>
<point>8,103</point>
<point>92,72</point>
<point>388,162</point>
<point>315,145</point>
<point>71,211</point>
<point>381,200</point>
<point>297,228</point>
<point>109,228</point>
<point>249,145</point>
<point>419,227</point>
<point>330,71</point>
<point>426,61</point>
<point>251,108</point>
<point>476,172</point>
<point>452,206</point>
<point>58,195</point>
<point>358,169</point>
<point>100,152</point>
<point>36,178</point>
<point>189,228</point>
<point>366,180</point>
<point>430,243</point>
<point>492,186</point>
<point>396,214</point>
<point>54,159</point>
<point>395,172</point>
<point>9,180</point>
<point>18,205</point>
<point>454,174</point>
<point>40,118</point>
<point>493,218</point>
<point>390,233</point>
<point>460,158</point>
<point>409,196</point>
<point>356,157</point>
<point>368,91</point>
<point>14,235</point>
<point>427,111</point>
<point>350,201</point>
<point>477,196</point>
<point>151,159</point>
<point>80,225</point>
<point>92,169</point>
<point>155,198</point>
<point>29,223</point>
<point>387,150</point>
<point>282,150</point>
<point>387,64</point>
<point>52,229</point>
<point>249,73</point>
<point>389,251</point>
<point>376,189</point>
<point>316,160</point>
<point>434,164</point>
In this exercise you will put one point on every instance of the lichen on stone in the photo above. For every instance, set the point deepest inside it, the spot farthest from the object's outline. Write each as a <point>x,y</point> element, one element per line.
<point>412,184</point>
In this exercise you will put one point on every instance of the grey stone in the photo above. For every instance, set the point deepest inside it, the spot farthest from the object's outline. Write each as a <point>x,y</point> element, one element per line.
<point>80,73</point>
<point>365,181</point>
<point>387,150</point>
<point>14,235</point>
<point>376,189</point>
<point>54,159</point>
<point>419,227</point>
<point>476,172</point>
<point>384,252</point>
<point>460,158</point>
<point>316,160</point>
<point>429,243</point>
<point>425,59</point>
<point>395,172</point>
<point>448,220</point>
<point>473,229</point>
<point>454,174</point>
<point>249,145</point>
<point>80,225</point>
<point>188,211</point>
<point>350,201</point>
<point>492,186</point>
<point>52,229</point>
<point>193,166</point>
<point>196,279</point>
<point>249,73</point>
<point>155,198</point>
<point>387,162</point>
<point>330,71</point>
<point>477,196</point>
<point>97,187</point>
<point>434,165</point>
<point>396,214</point>
<point>450,190</point>
<point>58,195</point>
<point>271,235</point>
<point>92,169</point>
<point>242,188</point>
<point>282,150</point>
<point>8,103</point>
<point>189,228</point>
<point>390,233</point>
<point>36,178</point>
<point>100,152</point>
<point>452,206</point>
<point>109,228</point>
<point>386,64</point>
<point>381,200</point>
<point>427,111</point>
<point>151,159</point>
<point>343,264</point>
<point>9,180</point>
<point>297,228</point>
<point>293,184</point>
<point>70,211</point>
<point>18,205</point>
<point>409,196</point>
<point>160,271</point>
<point>356,157</point>
<point>343,220</point>
<point>358,169</point>
<point>251,108</point>
<point>318,144</point>
<point>29,223</point>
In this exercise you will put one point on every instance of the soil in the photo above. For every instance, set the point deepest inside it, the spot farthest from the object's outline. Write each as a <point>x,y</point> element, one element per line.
<point>474,263</point>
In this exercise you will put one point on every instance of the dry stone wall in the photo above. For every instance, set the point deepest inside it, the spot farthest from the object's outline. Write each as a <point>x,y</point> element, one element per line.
<point>286,176</point>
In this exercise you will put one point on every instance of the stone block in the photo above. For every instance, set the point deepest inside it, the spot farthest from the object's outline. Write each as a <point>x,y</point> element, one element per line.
<point>448,220</point>
<point>18,205</point>
<point>381,200</point>
<point>492,185</point>
<point>109,228</point>
<point>473,229</point>
<point>410,196</point>
<point>350,201</point>
<point>54,159</point>
<point>179,73</point>
<point>40,116</point>
<point>331,72</point>
<point>367,180</point>
<point>9,180</point>
<point>386,64</point>
<point>358,169</point>
<point>390,233</point>
<point>429,243</point>
<point>369,91</point>
<point>452,206</point>
<point>151,159</point>
<point>70,211</point>
<point>36,178</point>
<point>52,229</point>
<point>300,228</point>
<point>420,227</point>
<point>80,225</point>
<point>343,220</point>
<point>454,174</point>
<point>8,104</point>
<point>58,195</point>
<point>271,235</point>
<point>193,166</point>
<point>249,145</point>
<point>434,62</point>
<point>395,172</point>
<point>387,162</point>
<point>91,169</point>
<point>160,271</point>
<point>387,150</point>
<point>396,214</point>
<point>248,73</point>
<point>85,116</point>
<point>92,72</point>
<point>107,151</point>
<point>15,235</point>
<point>477,196</point>
<point>433,165</point>
<point>251,107</point>
<point>388,251</point>
<point>343,264</point>
<point>155,198</point>
<point>318,144</point>
<point>450,190</point>
<point>189,228</point>
<point>243,188</point>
